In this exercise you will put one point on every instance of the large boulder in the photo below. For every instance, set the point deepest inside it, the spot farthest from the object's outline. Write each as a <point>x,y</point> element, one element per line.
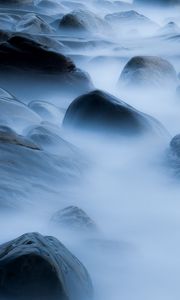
<point>106,114</point>
<point>83,21</point>
<point>25,63</point>
<point>39,267</point>
<point>148,72</point>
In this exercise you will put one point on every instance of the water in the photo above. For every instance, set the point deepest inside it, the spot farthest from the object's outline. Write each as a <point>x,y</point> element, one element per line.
<point>126,186</point>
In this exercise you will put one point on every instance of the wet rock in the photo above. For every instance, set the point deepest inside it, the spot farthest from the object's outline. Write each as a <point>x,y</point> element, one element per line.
<point>148,71</point>
<point>106,114</point>
<point>39,267</point>
<point>7,135</point>
<point>32,23</point>
<point>83,21</point>
<point>75,219</point>
<point>47,111</point>
<point>28,63</point>
<point>178,92</point>
<point>128,21</point>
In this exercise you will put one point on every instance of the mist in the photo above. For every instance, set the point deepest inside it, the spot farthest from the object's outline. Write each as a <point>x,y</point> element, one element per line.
<point>126,184</point>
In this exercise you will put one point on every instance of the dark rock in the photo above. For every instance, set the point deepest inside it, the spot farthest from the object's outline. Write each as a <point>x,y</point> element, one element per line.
<point>106,114</point>
<point>83,21</point>
<point>28,63</point>
<point>148,71</point>
<point>7,135</point>
<point>39,267</point>
<point>74,218</point>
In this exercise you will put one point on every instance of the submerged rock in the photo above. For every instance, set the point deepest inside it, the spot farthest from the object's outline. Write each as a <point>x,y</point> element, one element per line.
<point>157,2</point>
<point>74,218</point>
<point>106,114</point>
<point>7,135</point>
<point>47,111</point>
<point>39,267</point>
<point>148,71</point>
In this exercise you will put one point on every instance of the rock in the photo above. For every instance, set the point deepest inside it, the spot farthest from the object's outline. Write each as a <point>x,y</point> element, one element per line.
<point>175,145</point>
<point>49,139</point>
<point>170,28</point>
<point>28,63</point>
<point>32,23</point>
<point>47,111</point>
<point>7,135</point>
<point>83,21</point>
<point>42,175</point>
<point>16,114</point>
<point>148,72</point>
<point>75,219</point>
<point>128,21</point>
<point>39,267</point>
<point>157,2</point>
<point>106,114</point>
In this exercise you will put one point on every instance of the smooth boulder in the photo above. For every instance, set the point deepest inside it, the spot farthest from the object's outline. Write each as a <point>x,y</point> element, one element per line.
<point>28,63</point>
<point>148,72</point>
<point>39,267</point>
<point>83,21</point>
<point>103,113</point>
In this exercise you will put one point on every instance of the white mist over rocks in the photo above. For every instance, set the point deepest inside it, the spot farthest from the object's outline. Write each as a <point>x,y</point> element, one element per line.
<point>86,129</point>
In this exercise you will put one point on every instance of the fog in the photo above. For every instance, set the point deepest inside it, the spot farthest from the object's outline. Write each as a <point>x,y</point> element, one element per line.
<point>127,185</point>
